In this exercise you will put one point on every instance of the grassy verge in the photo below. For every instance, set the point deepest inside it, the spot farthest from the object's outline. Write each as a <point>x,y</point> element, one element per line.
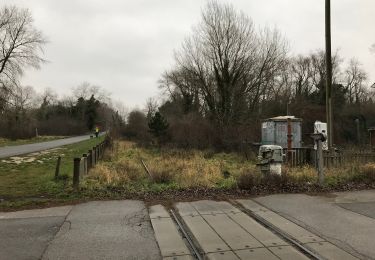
<point>184,171</point>
<point>175,175</point>
<point>30,179</point>
<point>39,139</point>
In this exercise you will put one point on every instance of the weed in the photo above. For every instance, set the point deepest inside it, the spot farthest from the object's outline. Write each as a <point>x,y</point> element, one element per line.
<point>248,179</point>
<point>162,176</point>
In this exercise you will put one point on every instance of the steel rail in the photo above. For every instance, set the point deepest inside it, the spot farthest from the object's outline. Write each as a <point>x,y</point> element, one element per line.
<point>186,235</point>
<point>279,232</point>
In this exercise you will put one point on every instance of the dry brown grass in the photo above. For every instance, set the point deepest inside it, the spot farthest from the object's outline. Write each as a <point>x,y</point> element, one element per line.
<point>368,172</point>
<point>192,168</point>
<point>187,168</point>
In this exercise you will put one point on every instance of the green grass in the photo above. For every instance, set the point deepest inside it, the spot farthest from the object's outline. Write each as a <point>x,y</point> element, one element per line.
<point>121,175</point>
<point>36,179</point>
<point>9,142</point>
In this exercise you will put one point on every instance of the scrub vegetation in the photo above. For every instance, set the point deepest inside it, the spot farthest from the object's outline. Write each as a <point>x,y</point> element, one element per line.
<point>178,169</point>
<point>174,174</point>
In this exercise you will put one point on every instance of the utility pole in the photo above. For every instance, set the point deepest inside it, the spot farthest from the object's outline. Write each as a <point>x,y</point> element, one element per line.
<point>329,75</point>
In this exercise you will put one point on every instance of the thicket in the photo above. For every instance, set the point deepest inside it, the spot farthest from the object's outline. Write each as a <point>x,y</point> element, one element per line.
<point>229,75</point>
<point>27,113</point>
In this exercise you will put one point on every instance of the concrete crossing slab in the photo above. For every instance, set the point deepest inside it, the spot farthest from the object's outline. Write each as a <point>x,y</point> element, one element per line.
<point>330,251</point>
<point>287,253</point>
<point>169,240</point>
<point>206,207</point>
<point>180,257</point>
<point>206,237</point>
<point>252,205</point>
<point>263,235</point>
<point>292,229</point>
<point>225,207</point>
<point>256,254</point>
<point>297,232</point>
<point>235,236</point>
<point>229,255</point>
<point>186,209</point>
<point>158,211</point>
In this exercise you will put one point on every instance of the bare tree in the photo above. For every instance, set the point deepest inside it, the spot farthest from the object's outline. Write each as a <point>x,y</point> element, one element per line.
<point>85,90</point>
<point>355,78</point>
<point>226,64</point>
<point>21,44</point>
<point>48,97</point>
<point>151,107</point>
<point>302,74</point>
<point>121,109</point>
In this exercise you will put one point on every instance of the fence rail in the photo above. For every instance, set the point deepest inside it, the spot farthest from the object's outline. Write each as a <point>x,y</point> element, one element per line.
<point>307,156</point>
<point>83,164</point>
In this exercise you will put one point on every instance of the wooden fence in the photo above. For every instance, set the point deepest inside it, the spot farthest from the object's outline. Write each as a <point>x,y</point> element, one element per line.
<point>83,164</point>
<point>307,156</point>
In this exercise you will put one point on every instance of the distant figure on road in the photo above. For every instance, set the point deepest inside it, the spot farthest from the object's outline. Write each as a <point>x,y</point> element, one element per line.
<point>97,131</point>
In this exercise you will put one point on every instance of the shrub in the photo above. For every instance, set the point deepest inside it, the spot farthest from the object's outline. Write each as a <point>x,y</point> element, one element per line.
<point>368,172</point>
<point>162,176</point>
<point>106,175</point>
<point>248,179</point>
<point>129,168</point>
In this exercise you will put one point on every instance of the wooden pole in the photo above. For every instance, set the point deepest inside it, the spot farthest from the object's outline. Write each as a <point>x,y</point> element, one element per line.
<point>57,171</point>
<point>84,157</point>
<point>320,162</point>
<point>76,168</point>
<point>289,138</point>
<point>328,74</point>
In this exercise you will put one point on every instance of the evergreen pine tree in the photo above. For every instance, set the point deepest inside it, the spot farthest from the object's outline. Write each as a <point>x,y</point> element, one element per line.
<point>158,125</point>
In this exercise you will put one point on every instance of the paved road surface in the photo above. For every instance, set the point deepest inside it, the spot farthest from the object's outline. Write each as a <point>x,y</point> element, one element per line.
<point>8,151</point>
<point>338,226</point>
<point>346,218</point>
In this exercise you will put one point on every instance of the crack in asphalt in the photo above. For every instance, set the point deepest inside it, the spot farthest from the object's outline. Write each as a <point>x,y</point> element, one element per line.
<point>58,233</point>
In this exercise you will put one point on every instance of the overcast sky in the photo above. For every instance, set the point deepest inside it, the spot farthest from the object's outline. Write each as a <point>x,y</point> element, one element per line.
<point>125,45</point>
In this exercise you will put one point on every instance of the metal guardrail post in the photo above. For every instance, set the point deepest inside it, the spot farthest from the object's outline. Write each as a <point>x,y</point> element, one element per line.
<point>76,173</point>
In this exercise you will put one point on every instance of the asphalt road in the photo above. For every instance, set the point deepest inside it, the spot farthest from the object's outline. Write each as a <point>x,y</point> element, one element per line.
<point>335,226</point>
<point>8,151</point>
<point>94,230</point>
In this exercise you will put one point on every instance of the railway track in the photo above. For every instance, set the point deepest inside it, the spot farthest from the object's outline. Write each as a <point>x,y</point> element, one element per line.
<point>239,229</point>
